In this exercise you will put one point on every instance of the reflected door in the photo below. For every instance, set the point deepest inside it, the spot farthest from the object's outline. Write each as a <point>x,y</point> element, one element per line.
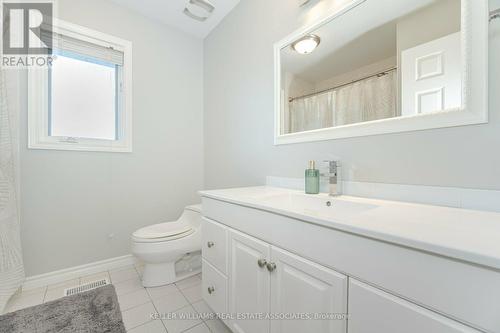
<point>430,76</point>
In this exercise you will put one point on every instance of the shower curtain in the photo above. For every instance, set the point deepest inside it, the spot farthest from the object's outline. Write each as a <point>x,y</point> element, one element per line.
<point>370,99</point>
<point>311,112</point>
<point>11,263</point>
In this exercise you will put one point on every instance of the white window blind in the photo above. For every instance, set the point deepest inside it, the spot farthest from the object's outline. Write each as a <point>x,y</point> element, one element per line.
<point>62,43</point>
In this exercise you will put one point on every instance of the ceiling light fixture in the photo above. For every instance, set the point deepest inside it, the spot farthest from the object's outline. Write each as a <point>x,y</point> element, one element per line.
<point>306,44</point>
<point>200,10</point>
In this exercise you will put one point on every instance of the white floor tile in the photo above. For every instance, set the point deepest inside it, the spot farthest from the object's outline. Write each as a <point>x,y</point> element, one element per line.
<point>140,270</point>
<point>208,315</point>
<point>159,292</point>
<point>26,299</point>
<point>202,328</point>
<point>53,294</point>
<point>204,310</point>
<point>217,326</point>
<point>125,274</point>
<point>94,277</point>
<point>139,266</point>
<point>118,269</point>
<point>170,303</point>
<point>182,320</point>
<point>32,291</point>
<point>155,326</point>
<point>138,315</point>
<point>189,282</point>
<point>193,294</point>
<point>65,284</point>
<point>133,299</point>
<point>128,286</point>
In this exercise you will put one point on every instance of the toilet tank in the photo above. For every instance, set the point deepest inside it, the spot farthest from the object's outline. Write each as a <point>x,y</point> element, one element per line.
<point>192,216</point>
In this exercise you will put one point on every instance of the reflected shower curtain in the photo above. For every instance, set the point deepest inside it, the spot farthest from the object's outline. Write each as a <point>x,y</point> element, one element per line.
<point>370,99</point>
<point>311,113</point>
<point>11,262</point>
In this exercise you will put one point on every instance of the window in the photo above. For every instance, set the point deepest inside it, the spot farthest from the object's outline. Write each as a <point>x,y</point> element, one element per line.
<point>83,101</point>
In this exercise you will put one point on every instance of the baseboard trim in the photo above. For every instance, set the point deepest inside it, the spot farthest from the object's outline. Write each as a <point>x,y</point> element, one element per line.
<point>42,280</point>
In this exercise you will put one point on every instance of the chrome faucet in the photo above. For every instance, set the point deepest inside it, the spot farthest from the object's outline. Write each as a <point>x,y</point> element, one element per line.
<point>334,179</point>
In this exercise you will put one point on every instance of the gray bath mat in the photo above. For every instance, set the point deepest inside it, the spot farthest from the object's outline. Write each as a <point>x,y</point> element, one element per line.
<point>94,311</point>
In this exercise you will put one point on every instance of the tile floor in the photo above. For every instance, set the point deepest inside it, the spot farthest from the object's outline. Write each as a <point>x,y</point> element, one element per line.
<point>172,302</point>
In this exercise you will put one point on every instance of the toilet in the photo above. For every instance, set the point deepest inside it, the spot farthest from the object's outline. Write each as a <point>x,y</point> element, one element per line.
<point>170,251</point>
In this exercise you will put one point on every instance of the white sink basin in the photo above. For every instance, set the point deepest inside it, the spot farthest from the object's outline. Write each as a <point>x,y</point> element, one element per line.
<point>315,205</point>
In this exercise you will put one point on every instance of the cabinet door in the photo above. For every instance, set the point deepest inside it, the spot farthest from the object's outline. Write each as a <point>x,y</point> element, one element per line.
<point>372,310</point>
<point>249,283</point>
<point>301,287</point>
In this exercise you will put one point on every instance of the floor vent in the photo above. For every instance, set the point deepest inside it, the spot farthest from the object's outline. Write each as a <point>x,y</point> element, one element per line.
<point>85,287</point>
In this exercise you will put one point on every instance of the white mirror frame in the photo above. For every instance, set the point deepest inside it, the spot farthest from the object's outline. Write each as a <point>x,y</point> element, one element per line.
<point>474,110</point>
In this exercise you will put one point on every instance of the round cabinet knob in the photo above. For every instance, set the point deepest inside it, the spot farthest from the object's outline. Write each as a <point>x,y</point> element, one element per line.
<point>211,290</point>
<point>271,266</point>
<point>262,263</point>
<point>210,244</point>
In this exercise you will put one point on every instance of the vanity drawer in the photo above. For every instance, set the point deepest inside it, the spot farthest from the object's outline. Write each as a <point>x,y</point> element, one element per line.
<point>214,244</point>
<point>214,288</point>
<point>372,310</point>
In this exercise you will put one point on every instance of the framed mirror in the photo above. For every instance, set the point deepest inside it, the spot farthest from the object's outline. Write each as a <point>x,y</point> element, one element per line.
<point>383,66</point>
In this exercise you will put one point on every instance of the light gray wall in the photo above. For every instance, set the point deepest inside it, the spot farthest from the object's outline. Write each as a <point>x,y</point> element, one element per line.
<point>239,116</point>
<point>72,201</point>
<point>409,28</point>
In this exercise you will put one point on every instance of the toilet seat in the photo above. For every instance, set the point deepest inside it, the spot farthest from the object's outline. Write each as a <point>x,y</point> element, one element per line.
<point>162,232</point>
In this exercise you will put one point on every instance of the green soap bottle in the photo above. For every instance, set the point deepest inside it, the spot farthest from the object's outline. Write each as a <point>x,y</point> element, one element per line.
<point>312,179</point>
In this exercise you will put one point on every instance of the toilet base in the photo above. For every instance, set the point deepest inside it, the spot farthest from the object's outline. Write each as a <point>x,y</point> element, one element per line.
<point>157,275</point>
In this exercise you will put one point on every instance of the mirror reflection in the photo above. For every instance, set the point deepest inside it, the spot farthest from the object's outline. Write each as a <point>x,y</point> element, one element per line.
<point>368,65</point>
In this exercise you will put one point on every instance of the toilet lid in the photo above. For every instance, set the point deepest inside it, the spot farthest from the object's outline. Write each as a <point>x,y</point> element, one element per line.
<point>163,230</point>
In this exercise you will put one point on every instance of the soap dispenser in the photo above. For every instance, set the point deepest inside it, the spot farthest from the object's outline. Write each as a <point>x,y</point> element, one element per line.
<point>312,179</point>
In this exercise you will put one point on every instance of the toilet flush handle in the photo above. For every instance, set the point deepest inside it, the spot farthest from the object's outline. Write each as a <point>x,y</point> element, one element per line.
<point>210,244</point>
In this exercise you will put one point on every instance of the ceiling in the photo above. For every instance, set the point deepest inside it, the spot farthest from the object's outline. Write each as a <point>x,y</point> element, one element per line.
<point>170,12</point>
<point>334,58</point>
<point>360,37</point>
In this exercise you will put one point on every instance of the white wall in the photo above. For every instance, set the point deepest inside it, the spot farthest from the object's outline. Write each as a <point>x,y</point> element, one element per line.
<point>71,201</point>
<point>239,116</point>
<point>409,29</point>
<point>356,74</point>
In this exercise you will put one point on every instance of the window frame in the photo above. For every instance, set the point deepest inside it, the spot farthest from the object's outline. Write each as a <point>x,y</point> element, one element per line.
<point>38,99</point>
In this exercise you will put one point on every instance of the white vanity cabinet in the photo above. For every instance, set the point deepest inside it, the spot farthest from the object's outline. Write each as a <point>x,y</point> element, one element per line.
<point>372,310</point>
<point>274,264</point>
<point>265,282</point>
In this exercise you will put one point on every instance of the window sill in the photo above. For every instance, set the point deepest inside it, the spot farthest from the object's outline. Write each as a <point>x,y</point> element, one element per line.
<point>89,145</point>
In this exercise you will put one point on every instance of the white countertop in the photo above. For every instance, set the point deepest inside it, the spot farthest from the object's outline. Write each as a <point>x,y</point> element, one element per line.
<point>467,235</point>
